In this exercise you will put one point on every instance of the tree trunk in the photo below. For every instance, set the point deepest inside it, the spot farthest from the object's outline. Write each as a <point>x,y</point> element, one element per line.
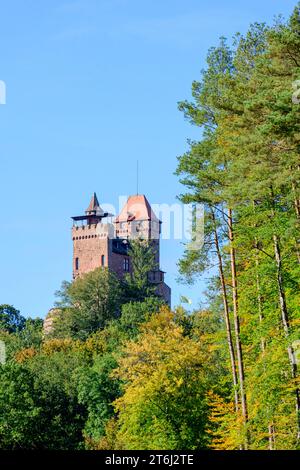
<point>226,315</point>
<point>263,347</point>
<point>259,304</point>
<point>297,210</point>
<point>262,339</point>
<point>285,323</point>
<point>237,324</point>
<point>296,197</point>
<point>272,443</point>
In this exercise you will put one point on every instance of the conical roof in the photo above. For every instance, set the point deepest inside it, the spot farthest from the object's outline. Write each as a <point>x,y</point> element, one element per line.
<point>94,206</point>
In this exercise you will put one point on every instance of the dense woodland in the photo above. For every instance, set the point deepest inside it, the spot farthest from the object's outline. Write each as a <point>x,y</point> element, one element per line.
<point>120,370</point>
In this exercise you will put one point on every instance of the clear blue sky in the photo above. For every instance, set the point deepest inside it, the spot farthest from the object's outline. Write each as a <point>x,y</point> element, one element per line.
<point>92,86</point>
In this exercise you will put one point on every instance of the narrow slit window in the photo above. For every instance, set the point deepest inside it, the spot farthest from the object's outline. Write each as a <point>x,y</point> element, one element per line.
<point>76,264</point>
<point>126,264</point>
<point>102,260</point>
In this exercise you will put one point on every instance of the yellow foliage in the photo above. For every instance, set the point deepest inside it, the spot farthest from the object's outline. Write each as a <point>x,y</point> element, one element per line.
<point>97,342</point>
<point>163,366</point>
<point>59,345</point>
<point>24,354</point>
<point>226,427</point>
<point>161,347</point>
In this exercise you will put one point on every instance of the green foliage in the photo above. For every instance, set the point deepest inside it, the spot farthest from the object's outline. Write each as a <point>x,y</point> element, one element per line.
<point>97,390</point>
<point>245,170</point>
<point>135,313</point>
<point>36,414</point>
<point>10,319</point>
<point>120,370</point>
<point>137,285</point>
<point>29,336</point>
<point>32,333</point>
<point>163,405</point>
<point>87,304</point>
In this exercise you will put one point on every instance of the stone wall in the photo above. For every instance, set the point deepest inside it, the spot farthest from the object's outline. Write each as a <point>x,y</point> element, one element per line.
<point>90,244</point>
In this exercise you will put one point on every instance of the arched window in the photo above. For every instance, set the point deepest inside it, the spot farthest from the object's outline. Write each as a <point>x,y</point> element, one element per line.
<point>102,260</point>
<point>76,264</point>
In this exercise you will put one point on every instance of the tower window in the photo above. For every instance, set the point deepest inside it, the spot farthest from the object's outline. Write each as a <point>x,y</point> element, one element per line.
<point>76,264</point>
<point>126,264</point>
<point>102,260</point>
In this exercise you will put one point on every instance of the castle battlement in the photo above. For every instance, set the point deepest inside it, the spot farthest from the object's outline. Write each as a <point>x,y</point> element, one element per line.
<point>94,230</point>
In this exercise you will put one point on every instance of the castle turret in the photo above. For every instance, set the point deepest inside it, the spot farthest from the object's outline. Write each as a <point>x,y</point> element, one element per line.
<point>91,234</point>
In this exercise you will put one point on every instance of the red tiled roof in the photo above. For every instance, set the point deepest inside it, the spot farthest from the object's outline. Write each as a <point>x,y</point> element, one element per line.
<point>136,208</point>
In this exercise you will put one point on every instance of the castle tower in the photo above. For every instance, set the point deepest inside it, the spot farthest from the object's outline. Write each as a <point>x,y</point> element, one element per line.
<point>137,220</point>
<point>97,242</point>
<point>91,234</point>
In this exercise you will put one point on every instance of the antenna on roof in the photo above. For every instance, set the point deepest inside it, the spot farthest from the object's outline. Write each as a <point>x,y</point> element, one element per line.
<point>137,177</point>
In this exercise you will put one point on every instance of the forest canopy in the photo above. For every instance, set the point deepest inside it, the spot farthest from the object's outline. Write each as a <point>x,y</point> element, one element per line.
<point>119,369</point>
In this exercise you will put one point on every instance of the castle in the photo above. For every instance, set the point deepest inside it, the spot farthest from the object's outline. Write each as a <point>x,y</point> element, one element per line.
<point>100,241</point>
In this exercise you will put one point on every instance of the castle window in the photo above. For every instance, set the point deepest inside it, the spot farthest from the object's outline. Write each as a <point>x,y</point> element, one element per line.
<point>102,260</point>
<point>126,264</point>
<point>76,264</point>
